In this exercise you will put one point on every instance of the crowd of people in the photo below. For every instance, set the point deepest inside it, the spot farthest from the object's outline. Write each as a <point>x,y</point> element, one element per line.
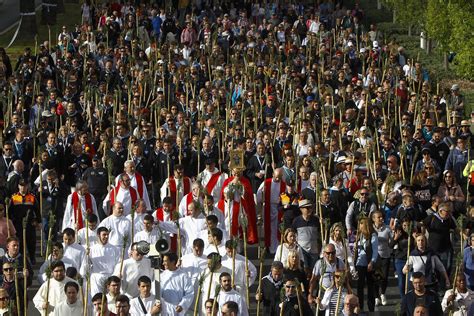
<point>148,148</point>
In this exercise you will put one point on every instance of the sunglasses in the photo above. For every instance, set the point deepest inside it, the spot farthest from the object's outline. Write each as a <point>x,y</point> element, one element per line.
<point>3,298</point>
<point>7,269</point>
<point>290,286</point>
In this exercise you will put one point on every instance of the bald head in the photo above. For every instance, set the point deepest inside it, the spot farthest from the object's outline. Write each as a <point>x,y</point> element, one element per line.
<point>18,166</point>
<point>117,209</point>
<point>277,174</point>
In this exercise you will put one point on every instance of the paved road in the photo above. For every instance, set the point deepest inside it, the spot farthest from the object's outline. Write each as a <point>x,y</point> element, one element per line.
<point>10,12</point>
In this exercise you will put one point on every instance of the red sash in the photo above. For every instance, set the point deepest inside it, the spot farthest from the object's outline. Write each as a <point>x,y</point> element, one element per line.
<point>76,207</point>
<point>173,191</point>
<point>234,231</point>
<point>114,192</point>
<point>160,215</point>
<point>212,182</point>
<point>189,200</point>
<point>266,222</point>
<point>139,180</point>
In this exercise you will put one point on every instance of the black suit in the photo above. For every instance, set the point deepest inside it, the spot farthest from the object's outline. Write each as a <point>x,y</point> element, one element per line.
<point>255,164</point>
<point>6,166</point>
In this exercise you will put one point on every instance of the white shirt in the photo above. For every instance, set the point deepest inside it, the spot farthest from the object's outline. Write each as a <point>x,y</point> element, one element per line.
<point>123,196</point>
<point>193,266</point>
<point>216,190</point>
<point>164,190</point>
<point>136,308</point>
<point>56,295</point>
<point>138,225</point>
<point>239,274</point>
<point>118,228</point>
<point>74,253</point>
<point>81,237</point>
<point>131,271</point>
<point>150,237</point>
<point>42,277</point>
<point>64,308</point>
<point>176,290</point>
<point>190,229</point>
<point>234,296</point>
<point>69,219</point>
<point>134,184</point>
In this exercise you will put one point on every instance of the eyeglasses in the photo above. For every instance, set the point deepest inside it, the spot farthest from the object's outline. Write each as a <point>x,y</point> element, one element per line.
<point>290,286</point>
<point>3,298</point>
<point>330,252</point>
<point>7,149</point>
<point>365,193</point>
<point>209,307</point>
<point>7,269</point>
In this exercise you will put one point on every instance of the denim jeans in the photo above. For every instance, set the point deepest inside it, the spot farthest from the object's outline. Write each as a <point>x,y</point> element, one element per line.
<point>399,264</point>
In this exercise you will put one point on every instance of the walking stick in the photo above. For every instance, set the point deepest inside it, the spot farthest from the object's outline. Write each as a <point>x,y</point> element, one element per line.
<point>17,291</point>
<point>124,246</point>
<point>196,302</point>
<point>7,206</point>
<point>217,290</point>
<point>48,275</point>
<point>408,257</point>
<point>178,237</point>
<point>88,278</point>
<point>261,257</point>
<point>323,271</point>
<point>41,203</point>
<point>244,225</point>
<point>298,296</point>
<point>341,283</point>
<point>25,299</point>
<point>282,234</point>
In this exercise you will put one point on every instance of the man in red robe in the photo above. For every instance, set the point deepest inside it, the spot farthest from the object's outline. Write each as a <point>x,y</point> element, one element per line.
<point>269,194</point>
<point>239,201</point>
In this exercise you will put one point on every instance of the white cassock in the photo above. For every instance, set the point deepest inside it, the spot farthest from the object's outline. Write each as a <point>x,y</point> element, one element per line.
<point>274,202</point>
<point>175,289</point>
<point>82,239</point>
<point>100,264</point>
<point>123,196</point>
<point>136,308</point>
<point>239,274</point>
<point>183,205</point>
<point>118,228</point>
<point>111,303</point>
<point>205,233</point>
<point>56,295</point>
<point>134,184</point>
<point>212,284</point>
<point>229,208</point>
<point>220,218</point>
<point>212,248</point>
<point>213,189</point>
<point>69,220</point>
<point>193,266</point>
<point>164,190</point>
<point>131,271</point>
<point>64,308</point>
<point>42,271</point>
<point>150,237</point>
<point>190,229</point>
<point>75,253</point>
<point>233,296</point>
<point>138,225</point>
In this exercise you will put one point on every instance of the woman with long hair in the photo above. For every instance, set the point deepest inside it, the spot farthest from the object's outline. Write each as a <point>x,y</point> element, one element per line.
<point>365,257</point>
<point>338,238</point>
<point>449,191</point>
<point>293,270</point>
<point>289,243</point>
<point>399,244</point>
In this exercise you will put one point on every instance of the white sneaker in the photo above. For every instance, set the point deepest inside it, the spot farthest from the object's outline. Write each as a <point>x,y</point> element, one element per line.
<point>377,301</point>
<point>383,299</point>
